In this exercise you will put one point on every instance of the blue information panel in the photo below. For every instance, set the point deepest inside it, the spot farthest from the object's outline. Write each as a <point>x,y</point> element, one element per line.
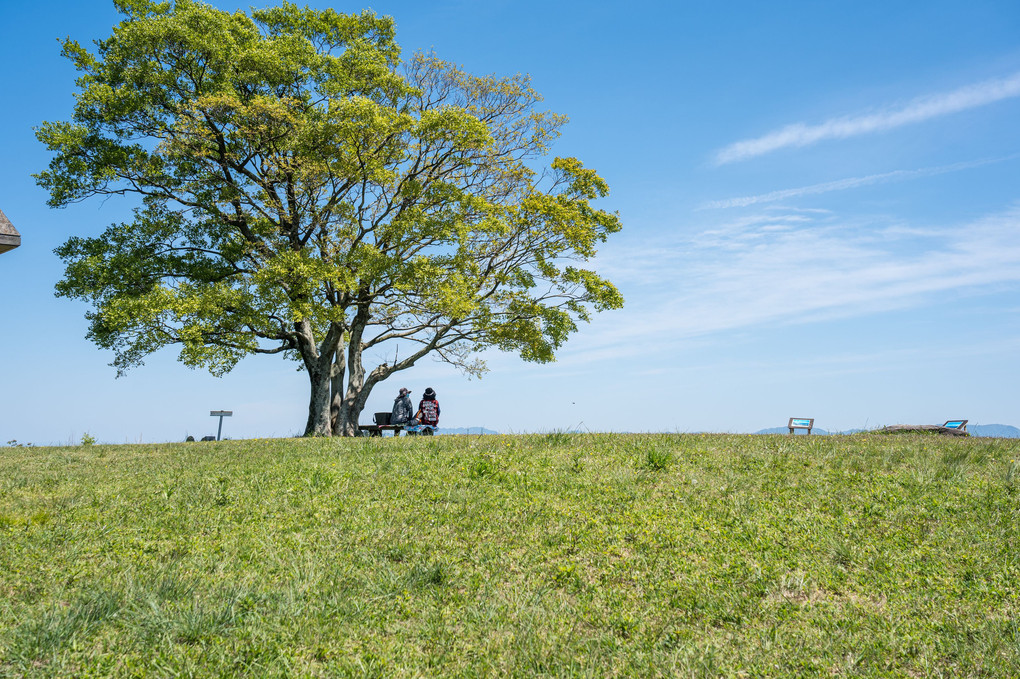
<point>801,423</point>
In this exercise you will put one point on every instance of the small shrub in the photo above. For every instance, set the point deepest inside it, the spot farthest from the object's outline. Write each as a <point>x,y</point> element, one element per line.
<point>88,439</point>
<point>658,459</point>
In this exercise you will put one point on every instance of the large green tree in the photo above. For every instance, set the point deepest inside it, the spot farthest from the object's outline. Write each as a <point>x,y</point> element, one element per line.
<point>301,191</point>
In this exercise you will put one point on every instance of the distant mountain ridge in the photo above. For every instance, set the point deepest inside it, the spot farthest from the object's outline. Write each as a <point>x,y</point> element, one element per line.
<point>1001,431</point>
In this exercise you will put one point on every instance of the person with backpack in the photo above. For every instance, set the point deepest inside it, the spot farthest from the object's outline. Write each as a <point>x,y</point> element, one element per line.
<point>428,409</point>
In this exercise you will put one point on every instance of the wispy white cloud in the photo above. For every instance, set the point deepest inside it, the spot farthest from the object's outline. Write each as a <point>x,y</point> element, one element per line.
<point>920,109</point>
<point>849,183</point>
<point>750,274</point>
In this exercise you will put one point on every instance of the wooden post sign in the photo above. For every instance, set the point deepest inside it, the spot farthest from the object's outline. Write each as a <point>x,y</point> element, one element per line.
<point>221,414</point>
<point>801,423</point>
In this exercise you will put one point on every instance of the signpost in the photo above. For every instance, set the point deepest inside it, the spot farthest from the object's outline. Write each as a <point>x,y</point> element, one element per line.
<point>801,423</point>
<point>221,414</point>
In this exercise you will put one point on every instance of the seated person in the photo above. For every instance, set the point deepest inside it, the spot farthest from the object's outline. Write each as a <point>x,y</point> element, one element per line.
<point>428,409</point>
<point>402,413</point>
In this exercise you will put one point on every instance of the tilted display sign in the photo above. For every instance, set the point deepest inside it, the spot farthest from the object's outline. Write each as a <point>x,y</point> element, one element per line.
<point>801,423</point>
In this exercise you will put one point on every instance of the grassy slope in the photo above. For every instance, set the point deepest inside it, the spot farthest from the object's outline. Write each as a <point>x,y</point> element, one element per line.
<point>557,555</point>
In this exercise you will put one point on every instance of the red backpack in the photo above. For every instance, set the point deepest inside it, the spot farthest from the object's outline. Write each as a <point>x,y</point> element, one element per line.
<point>429,412</point>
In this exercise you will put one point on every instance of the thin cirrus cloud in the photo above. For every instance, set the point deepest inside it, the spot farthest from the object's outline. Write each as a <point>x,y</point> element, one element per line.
<point>849,183</point>
<point>920,109</point>
<point>727,279</point>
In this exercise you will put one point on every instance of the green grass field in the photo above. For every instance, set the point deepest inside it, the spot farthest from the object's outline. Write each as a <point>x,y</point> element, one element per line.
<point>547,555</point>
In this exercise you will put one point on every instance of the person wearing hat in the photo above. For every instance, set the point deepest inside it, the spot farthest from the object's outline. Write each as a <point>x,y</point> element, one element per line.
<point>428,409</point>
<point>402,412</point>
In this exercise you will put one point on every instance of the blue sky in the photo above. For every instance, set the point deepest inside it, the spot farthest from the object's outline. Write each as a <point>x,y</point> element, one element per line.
<point>820,205</point>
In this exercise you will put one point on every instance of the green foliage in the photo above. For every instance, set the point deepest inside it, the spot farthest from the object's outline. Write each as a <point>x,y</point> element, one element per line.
<point>558,437</point>
<point>658,458</point>
<point>88,439</point>
<point>499,556</point>
<point>304,192</point>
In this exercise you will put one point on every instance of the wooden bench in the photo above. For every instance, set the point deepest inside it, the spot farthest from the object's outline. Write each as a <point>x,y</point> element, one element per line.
<point>416,429</point>
<point>378,429</point>
<point>381,424</point>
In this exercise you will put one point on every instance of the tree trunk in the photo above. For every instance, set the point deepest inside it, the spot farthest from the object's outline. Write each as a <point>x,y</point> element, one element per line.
<point>353,401</point>
<point>351,408</point>
<point>319,403</point>
<point>356,395</point>
<point>346,423</point>
<point>344,405</point>
<point>336,389</point>
<point>318,360</point>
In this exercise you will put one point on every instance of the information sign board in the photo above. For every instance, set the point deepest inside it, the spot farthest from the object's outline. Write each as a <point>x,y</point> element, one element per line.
<point>801,423</point>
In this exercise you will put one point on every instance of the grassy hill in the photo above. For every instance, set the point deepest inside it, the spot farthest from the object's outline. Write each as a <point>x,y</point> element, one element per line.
<point>557,555</point>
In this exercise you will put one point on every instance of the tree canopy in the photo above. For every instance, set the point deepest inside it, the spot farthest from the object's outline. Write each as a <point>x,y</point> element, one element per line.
<point>301,190</point>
